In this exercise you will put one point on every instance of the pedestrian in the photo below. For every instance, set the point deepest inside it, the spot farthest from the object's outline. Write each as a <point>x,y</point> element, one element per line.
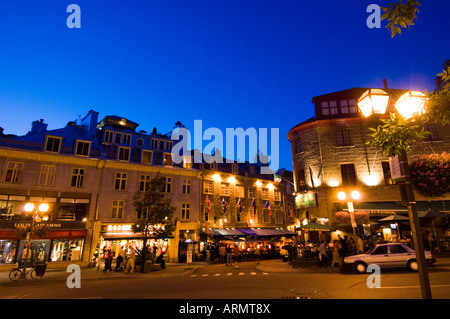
<point>229,255</point>
<point>359,245</point>
<point>258,253</point>
<point>131,259</point>
<point>222,253</point>
<point>208,255</point>
<point>160,260</point>
<point>108,261</point>
<point>119,260</point>
<point>335,253</point>
<point>236,254</point>
<point>323,254</point>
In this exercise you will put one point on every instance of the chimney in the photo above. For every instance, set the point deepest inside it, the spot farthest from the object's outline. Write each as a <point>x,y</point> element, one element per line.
<point>385,84</point>
<point>38,126</point>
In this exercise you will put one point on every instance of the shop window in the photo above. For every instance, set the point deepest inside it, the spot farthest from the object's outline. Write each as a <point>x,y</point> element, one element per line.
<point>66,250</point>
<point>8,250</point>
<point>40,250</point>
<point>13,172</point>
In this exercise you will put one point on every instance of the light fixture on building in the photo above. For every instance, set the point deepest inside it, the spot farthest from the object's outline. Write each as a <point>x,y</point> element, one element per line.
<point>258,183</point>
<point>411,103</point>
<point>217,178</point>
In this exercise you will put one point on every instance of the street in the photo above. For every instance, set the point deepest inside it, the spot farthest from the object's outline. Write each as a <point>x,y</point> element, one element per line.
<point>272,279</point>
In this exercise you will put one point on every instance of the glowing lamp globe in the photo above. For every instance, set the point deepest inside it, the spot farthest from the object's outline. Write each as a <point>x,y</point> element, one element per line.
<point>373,101</point>
<point>411,103</point>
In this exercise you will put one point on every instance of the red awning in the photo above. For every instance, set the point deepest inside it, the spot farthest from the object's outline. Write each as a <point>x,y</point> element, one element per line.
<point>51,234</point>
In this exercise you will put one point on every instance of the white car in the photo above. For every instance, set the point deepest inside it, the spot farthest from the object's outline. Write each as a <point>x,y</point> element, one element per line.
<point>393,255</point>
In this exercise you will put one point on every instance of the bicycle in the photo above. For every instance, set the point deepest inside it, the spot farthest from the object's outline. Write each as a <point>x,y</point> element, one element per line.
<point>20,272</point>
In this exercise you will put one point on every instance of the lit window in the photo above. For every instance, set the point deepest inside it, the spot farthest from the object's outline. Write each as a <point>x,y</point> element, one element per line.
<point>208,187</point>
<point>225,189</point>
<point>240,191</point>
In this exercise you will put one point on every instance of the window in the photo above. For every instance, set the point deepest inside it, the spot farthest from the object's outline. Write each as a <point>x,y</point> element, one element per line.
<point>238,214</point>
<point>185,211</point>
<point>432,129</point>
<point>168,159</point>
<point>186,190</point>
<point>144,183</point>
<point>397,249</point>
<point>208,187</point>
<point>161,145</point>
<point>214,165</point>
<point>301,181</point>
<point>121,181</point>
<point>266,218</point>
<point>117,209</point>
<point>154,144</point>
<point>47,176</point>
<point>234,168</point>
<point>187,162</point>
<point>298,146</point>
<point>77,177</point>
<point>225,189</point>
<point>240,191</point>
<point>382,250</point>
<point>277,195</point>
<point>348,174</point>
<point>140,142</point>
<point>108,136</point>
<point>387,174</point>
<point>13,172</point>
<point>82,148</point>
<point>127,139</point>
<point>118,138</point>
<point>124,154</point>
<point>265,193</point>
<point>348,106</point>
<point>329,108</point>
<point>252,192</point>
<point>53,144</point>
<point>343,138</point>
<point>147,157</point>
<point>278,217</point>
<point>168,187</point>
<point>169,146</point>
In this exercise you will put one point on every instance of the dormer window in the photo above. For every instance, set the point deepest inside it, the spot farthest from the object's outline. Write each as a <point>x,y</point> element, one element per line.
<point>53,144</point>
<point>234,168</point>
<point>82,148</point>
<point>329,108</point>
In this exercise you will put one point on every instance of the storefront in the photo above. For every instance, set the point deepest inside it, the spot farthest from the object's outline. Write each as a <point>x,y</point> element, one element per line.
<point>64,241</point>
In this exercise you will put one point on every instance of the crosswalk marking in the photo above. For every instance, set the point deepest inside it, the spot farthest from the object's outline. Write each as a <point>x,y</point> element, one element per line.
<point>228,274</point>
<point>253,273</point>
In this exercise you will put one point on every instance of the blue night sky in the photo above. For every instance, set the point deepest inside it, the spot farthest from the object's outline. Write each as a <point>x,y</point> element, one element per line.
<point>229,63</point>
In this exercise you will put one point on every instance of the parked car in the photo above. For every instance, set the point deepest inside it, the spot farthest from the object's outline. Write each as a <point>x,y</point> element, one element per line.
<point>394,255</point>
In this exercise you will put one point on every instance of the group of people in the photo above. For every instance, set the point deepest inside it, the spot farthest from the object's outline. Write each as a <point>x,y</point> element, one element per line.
<point>332,253</point>
<point>124,261</point>
<point>227,254</point>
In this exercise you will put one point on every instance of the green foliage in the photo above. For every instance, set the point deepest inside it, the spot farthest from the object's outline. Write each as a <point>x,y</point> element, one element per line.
<point>438,105</point>
<point>400,15</point>
<point>154,210</point>
<point>396,135</point>
<point>431,174</point>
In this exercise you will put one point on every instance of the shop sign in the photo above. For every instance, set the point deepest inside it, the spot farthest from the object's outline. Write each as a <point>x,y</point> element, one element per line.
<point>118,228</point>
<point>189,256</point>
<point>394,166</point>
<point>306,200</point>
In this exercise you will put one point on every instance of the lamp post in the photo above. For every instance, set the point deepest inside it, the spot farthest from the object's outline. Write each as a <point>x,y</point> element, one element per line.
<point>36,218</point>
<point>355,195</point>
<point>408,105</point>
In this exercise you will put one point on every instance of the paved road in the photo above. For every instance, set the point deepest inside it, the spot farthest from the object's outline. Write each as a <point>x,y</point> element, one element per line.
<point>272,279</point>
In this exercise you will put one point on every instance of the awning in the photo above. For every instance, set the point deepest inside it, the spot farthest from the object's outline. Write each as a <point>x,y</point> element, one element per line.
<point>315,227</point>
<point>225,232</point>
<point>374,207</point>
<point>267,232</point>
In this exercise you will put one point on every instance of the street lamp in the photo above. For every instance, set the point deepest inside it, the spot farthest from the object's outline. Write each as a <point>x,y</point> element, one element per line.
<point>408,105</point>
<point>355,195</point>
<point>37,215</point>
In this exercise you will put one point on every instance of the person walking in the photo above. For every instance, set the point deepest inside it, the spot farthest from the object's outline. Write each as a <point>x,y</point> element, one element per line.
<point>131,259</point>
<point>323,254</point>
<point>236,254</point>
<point>160,260</point>
<point>229,255</point>
<point>119,260</point>
<point>108,261</point>
<point>222,253</point>
<point>208,255</point>
<point>335,254</point>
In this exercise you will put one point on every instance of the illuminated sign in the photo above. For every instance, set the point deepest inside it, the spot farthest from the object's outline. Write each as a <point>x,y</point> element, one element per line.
<point>306,200</point>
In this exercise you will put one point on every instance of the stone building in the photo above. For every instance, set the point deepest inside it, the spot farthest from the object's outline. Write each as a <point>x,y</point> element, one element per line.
<point>330,154</point>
